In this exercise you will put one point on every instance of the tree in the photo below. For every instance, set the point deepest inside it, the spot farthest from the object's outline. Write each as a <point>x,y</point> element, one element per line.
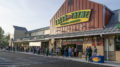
<point>6,40</point>
<point>1,36</point>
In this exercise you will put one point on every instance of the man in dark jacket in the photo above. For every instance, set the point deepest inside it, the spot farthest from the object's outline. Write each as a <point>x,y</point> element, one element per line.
<point>90,52</point>
<point>87,54</point>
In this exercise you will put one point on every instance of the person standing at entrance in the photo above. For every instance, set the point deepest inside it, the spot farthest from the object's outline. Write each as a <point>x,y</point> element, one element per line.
<point>72,51</point>
<point>47,51</point>
<point>57,51</point>
<point>95,51</point>
<point>52,52</point>
<point>87,54</point>
<point>75,51</point>
<point>90,52</point>
<point>65,52</point>
<point>69,51</point>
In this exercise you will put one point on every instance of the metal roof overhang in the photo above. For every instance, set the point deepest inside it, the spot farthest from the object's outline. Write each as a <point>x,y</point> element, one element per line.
<point>32,40</point>
<point>85,34</point>
<point>76,34</point>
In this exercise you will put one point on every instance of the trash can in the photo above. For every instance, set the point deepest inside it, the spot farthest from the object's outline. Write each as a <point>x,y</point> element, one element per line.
<point>97,59</point>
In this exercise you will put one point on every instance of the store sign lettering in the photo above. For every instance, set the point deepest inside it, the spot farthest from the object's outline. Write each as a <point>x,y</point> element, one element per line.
<point>73,18</point>
<point>96,59</point>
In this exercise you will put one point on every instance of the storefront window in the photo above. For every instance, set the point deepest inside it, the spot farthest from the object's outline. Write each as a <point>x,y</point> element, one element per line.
<point>79,48</point>
<point>117,43</point>
<point>64,40</point>
<point>69,40</point>
<point>74,40</point>
<point>118,47</point>
<point>81,40</point>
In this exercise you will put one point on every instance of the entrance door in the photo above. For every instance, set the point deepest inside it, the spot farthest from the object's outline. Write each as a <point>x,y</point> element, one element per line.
<point>85,45</point>
<point>69,45</point>
<point>80,48</point>
<point>45,45</point>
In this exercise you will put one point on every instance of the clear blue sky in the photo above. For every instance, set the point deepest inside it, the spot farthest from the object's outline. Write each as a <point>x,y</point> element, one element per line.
<point>34,14</point>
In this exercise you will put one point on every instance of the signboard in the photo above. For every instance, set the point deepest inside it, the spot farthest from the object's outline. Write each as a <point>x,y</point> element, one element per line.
<point>97,59</point>
<point>73,18</point>
<point>35,44</point>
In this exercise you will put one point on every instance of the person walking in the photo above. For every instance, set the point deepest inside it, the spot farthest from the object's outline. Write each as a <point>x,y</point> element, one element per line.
<point>65,51</point>
<point>57,51</point>
<point>47,51</point>
<point>72,51</point>
<point>87,54</point>
<point>90,52</point>
<point>52,52</point>
<point>69,51</point>
<point>75,51</point>
<point>95,51</point>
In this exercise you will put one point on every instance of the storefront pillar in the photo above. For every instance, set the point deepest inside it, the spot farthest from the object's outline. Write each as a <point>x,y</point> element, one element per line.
<point>109,48</point>
<point>106,49</point>
<point>52,44</point>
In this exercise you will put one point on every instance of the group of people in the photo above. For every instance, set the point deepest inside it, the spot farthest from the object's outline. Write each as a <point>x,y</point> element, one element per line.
<point>64,52</point>
<point>90,52</point>
<point>67,51</point>
<point>70,52</point>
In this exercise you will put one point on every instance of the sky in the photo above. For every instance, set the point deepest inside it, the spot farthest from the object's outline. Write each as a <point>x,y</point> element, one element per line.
<point>34,14</point>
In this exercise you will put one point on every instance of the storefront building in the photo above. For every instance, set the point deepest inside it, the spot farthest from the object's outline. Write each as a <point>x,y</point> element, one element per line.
<point>82,23</point>
<point>21,37</point>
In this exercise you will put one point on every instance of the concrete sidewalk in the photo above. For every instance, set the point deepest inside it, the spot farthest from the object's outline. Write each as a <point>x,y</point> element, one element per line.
<point>107,63</point>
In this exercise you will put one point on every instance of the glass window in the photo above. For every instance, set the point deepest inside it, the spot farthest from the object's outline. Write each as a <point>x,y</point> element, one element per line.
<point>117,43</point>
<point>118,47</point>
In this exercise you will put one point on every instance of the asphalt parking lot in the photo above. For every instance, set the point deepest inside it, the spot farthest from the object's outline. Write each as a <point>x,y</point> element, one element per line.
<point>13,59</point>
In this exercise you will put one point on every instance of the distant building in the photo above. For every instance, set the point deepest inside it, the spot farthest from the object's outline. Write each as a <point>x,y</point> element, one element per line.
<point>17,33</point>
<point>21,37</point>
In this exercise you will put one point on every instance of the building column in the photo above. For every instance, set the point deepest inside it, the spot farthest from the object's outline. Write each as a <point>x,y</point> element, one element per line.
<point>52,43</point>
<point>109,48</point>
<point>106,49</point>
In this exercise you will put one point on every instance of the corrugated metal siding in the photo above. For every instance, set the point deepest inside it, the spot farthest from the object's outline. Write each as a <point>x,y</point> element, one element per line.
<point>96,19</point>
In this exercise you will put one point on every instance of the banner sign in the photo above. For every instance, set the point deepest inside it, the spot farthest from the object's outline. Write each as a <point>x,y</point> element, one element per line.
<point>97,59</point>
<point>73,18</point>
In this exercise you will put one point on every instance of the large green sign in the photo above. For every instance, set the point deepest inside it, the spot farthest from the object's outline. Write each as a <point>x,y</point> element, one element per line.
<point>73,17</point>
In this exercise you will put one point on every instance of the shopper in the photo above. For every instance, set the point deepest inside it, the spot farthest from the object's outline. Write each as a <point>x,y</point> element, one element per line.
<point>57,51</point>
<point>69,51</point>
<point>90,52</point>
<point>95,51</point>
<point>52,52</point>
<point>47,51</point>
<point>65,52</point>
<point>86,53</point>
<point>72,52</point>
<point>34,50</point>
<point>75,51</point>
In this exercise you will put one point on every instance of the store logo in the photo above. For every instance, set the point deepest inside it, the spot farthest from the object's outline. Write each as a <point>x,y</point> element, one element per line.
<point>96,59</point>
<point>73,18</point>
